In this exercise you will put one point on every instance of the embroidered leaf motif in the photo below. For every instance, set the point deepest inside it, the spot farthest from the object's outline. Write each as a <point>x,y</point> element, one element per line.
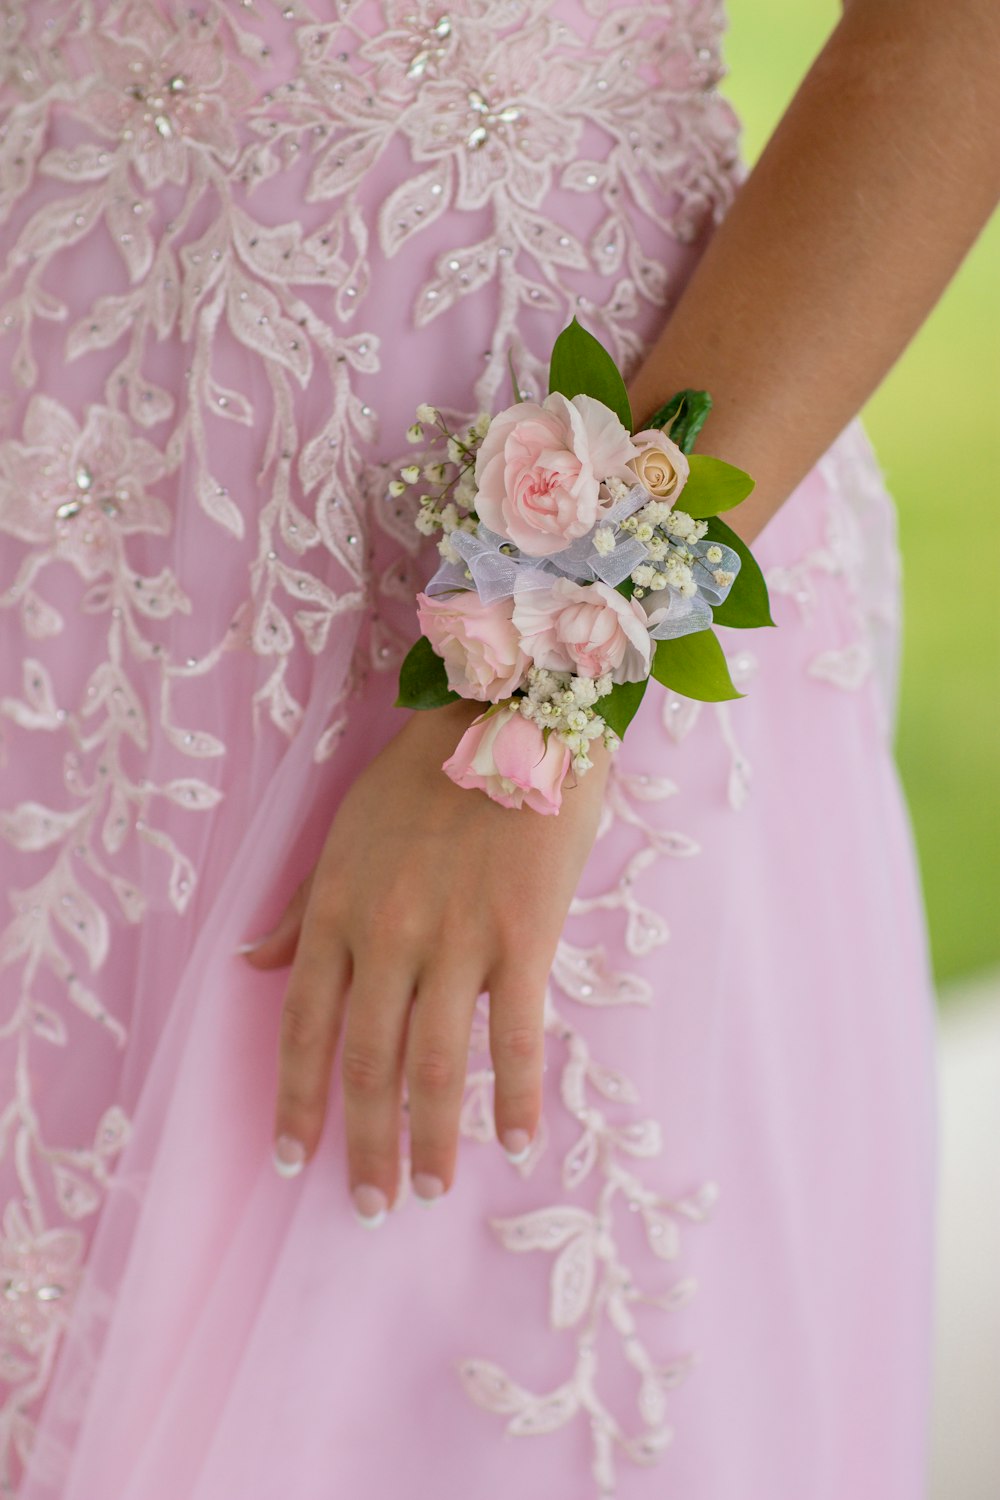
<point>216,502</point>
<point>31,826</point>
<point>643,1138</point>
<point>652,1401</point>
<point>84,920</point>
<point>188,791</point>
<point>662,1233</point>
<point>107,321</point>
<point>846,668</point>
<point>113,1131</point>
<point>256,318</point>
<point>645,930</point>
<point>40,618</point>
<point>415,204</point>
<point>572,1282</point>
<point>579,1160</point>
<point>48,1024</point>
<point>457,274</point>
<point>612,1084</point>
<point>583,974</point>
<point>547,1414</point>
<point>543,1228</point>
<point>195,741</point>
<point>489,1387</point>
<point>77,1197</point>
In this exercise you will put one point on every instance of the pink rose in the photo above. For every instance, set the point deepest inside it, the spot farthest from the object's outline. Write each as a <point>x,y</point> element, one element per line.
<point>589,629</point>
<point>510,758</point>
<point>660,465</point>
<point>478,642</point>
<point>539,470</point>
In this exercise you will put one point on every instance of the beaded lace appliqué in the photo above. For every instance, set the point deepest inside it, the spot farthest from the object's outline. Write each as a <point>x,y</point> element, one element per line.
<point>158,137</point>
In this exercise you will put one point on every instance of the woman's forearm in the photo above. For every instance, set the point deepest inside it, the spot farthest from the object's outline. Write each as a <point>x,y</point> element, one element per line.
<point>875,184</point>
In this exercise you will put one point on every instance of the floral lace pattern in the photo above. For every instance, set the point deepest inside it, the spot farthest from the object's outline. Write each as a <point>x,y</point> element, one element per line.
<point>157,138</point>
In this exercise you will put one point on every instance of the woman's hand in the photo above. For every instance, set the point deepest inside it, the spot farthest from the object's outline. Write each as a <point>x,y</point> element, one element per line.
<point>424,896</point>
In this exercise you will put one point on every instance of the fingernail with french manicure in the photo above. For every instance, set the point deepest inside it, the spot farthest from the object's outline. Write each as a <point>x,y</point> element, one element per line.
<point>370,1204</point>
<point>289,1155</point>
<point>516,1144</point>
<point>249,947</point>
<point>427,1189</point>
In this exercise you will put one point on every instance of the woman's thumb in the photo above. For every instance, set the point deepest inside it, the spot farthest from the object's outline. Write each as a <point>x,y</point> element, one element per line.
<point>277,947</point>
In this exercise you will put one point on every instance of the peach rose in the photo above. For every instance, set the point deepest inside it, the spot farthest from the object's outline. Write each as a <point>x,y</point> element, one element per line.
<point>589,629</point>
<point>478,643</point>
<point>539,470</point>
<point>511,759</point>
<point>660,466</point>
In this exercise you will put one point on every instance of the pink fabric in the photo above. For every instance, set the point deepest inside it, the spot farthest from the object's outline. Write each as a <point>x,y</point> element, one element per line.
<point>221,300</point>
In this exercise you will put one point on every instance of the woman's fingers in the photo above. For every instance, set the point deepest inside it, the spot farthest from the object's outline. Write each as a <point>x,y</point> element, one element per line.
<point>437,1053</point>
<point>372,1073</point>
<point>277,947</point>
<point>310,1026</point>
<point>517,1046</point>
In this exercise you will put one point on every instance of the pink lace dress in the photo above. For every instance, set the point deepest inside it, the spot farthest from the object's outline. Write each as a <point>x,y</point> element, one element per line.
<point>238,243</point>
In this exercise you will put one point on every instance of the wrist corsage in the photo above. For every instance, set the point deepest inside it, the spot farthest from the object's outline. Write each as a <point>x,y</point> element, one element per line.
<point>579,559</point>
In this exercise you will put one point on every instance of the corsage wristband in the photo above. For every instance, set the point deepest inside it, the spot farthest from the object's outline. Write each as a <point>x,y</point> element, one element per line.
<point>579,559</point>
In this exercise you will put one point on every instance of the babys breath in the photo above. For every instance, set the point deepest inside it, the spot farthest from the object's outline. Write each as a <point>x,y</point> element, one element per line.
<point>396,488</point>
<point>415,433</point>
<point>714,554</point>
<point>563,704</point>
<point>427,413</point>
<point>723,578</point>
<point>604,540</point>
<point>465,490</point>
<point>448,552</point>
<point>481,426</point>
<point>426,520</point>
<point>449,517</point>
<point>656,512</point>
<point>410,474</point>
<point>584,691</point>
<point>435,473</point>
<point>680,525</point>
<point>455,451</point>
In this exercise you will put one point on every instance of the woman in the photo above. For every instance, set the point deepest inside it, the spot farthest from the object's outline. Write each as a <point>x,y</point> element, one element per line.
<point>241,243</point>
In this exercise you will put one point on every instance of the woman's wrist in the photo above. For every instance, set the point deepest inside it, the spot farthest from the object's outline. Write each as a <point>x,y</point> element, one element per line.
<point>838,243</point>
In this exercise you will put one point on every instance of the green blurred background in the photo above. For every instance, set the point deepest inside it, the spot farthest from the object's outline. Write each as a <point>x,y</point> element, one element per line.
<point>935,422</point>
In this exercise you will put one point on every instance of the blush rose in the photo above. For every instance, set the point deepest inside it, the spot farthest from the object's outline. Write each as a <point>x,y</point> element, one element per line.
<point>660,465</point>
<point>539,470</point>
<point>589,629</point>
<point>478,643</point>
<point>511,759</point>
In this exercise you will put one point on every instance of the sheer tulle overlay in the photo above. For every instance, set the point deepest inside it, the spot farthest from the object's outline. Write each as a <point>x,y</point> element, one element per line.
<point>240,242</point>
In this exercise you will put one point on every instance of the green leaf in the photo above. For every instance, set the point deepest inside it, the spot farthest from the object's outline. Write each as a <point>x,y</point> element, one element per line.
<point>423,681</point>
<point>618,708</point>
<point>686,412</point>
<point>695,666</point>
<point>514,382</point>
<point>713,485</point>
<point>747,604</point>
<point>581,366</point>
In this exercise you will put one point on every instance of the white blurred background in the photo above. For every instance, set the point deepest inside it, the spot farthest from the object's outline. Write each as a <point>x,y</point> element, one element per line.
<point>966,1439</point>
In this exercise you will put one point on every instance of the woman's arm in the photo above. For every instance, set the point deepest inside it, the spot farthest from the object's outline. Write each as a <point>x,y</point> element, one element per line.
<point>875,184</point>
